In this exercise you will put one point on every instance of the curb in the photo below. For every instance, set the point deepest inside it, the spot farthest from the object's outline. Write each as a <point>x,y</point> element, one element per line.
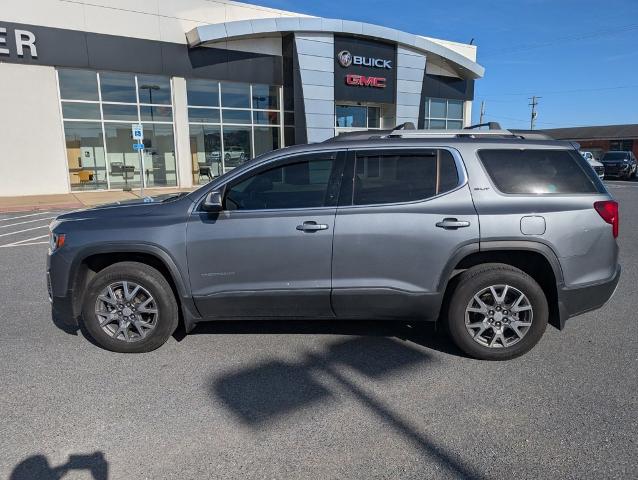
<point>41,207</point>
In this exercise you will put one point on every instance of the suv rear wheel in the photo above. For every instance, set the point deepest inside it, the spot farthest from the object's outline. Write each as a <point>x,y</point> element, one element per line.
<point>129,307</point>
<point>497,312</point>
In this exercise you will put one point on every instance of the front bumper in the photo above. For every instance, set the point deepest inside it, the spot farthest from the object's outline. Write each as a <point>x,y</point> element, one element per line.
<point>576,301</point>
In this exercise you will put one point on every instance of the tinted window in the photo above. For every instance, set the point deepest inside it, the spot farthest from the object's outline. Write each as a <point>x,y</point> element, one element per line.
<point>78,85</point>
<point>154,89</point>
<point>202,93</point>
<point>614,156</point>
<point>302,184</point>
<point>539,171</point>
<point>118,87</point>
<point>391,178</point>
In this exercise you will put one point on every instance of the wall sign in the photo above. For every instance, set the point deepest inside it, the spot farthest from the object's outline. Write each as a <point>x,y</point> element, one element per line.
<point>364,70</point>
<point>15,41</point>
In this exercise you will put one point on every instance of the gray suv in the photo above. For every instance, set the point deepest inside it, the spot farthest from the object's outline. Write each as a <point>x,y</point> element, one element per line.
<point>491,233</point>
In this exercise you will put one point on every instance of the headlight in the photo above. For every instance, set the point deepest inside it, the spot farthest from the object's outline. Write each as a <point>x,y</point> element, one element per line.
<point>56,240</point>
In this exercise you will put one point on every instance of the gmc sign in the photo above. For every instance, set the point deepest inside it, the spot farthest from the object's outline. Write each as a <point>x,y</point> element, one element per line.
<point>363,81</point>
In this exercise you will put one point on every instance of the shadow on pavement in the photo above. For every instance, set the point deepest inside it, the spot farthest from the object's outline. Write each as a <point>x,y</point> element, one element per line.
<point>421,333</point>
<point>267,391</point>
<point>37,467</point>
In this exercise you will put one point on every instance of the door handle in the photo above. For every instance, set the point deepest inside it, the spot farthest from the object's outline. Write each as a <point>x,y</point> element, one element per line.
<point>312,227</point>
<point>452,224</point>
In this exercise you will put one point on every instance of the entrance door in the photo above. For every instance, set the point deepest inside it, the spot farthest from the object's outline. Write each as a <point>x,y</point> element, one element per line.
<point>268,253</point>
<point>403,217</point>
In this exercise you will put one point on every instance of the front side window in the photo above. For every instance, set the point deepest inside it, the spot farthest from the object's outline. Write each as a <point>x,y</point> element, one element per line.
<point>302,184</point>
<point>540,172</point>
<point>392,178</point>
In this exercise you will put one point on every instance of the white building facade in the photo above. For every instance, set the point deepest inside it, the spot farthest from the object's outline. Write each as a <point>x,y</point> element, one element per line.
<point>214,83</point>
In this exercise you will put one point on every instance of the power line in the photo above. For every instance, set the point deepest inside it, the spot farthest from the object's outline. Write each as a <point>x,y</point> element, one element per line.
<point>568,38</point>
<point>578,90</point>
<point>533,104</point>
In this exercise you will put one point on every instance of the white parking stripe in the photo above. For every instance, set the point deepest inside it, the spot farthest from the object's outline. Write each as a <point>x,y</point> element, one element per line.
<point>27,221</point>
<point>23,216</point>
<point>22,231</point>
<point>22,244</point>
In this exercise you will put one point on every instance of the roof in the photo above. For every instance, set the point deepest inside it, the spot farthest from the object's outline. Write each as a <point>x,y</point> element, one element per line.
<point>264,27</point>
<point>600,132</point>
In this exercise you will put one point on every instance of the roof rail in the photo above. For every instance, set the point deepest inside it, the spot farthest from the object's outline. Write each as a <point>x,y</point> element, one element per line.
<point>469,133</point>
<point>489,125</point>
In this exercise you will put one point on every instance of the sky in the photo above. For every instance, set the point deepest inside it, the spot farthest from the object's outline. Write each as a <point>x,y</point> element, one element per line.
<point>580,56</point>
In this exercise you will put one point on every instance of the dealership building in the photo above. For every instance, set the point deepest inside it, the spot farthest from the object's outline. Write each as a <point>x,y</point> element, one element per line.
<point>212,83</point>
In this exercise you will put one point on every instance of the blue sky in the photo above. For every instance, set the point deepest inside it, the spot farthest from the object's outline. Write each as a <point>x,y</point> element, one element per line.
<point>580,56</point>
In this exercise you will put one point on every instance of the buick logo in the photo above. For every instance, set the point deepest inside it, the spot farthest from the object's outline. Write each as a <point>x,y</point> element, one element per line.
<point>345,58</point>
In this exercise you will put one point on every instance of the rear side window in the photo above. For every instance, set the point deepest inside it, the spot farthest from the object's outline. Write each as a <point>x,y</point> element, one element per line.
<point>403,177</point>
<point>540,171</point>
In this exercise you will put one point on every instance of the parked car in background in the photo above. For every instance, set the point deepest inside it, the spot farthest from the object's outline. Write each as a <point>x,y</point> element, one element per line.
<point>620,164</point>
<point>234,156</point>
<point>369,225</point>
<point>598,167</point>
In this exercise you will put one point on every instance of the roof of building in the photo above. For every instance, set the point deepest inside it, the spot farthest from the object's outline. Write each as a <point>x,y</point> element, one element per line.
<point>207,34</point>
<point>599,132</point>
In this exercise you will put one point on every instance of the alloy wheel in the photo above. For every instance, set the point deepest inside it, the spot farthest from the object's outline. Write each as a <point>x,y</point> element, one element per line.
<point>126,311</point>
<point>498,316</point>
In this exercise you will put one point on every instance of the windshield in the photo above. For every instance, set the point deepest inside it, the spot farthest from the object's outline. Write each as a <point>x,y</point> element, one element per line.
<point>610,156</point>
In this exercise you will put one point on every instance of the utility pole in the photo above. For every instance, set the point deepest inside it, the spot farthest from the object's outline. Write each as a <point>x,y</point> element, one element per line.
<point>482,111</point>
<point>533,104</point>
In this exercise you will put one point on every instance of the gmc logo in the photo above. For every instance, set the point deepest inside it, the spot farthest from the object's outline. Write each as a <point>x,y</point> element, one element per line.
<point>363,81</point>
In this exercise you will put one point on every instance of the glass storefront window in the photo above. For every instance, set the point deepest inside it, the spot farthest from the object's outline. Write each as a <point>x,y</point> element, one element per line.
<point>441,113</point>
<point>265,97</point>
<point>236,146</point>
<point>116,111</point>
<point>100,160</point>
<point>85,155</point>
<point>154,89</point>
<point>81,111</point>
<point>156,114</point>
<point>159,155</point>
<point>247,124</point>
<point>236,116</point>
<point>118,87</point>
<point>123,162</point>
<point>235,95</point>
<point>203,115</point>
<point>267,139</point>
<point>78,85</point>
<point>357,117</point>
<point>202,93</point>
<point>206,152</point>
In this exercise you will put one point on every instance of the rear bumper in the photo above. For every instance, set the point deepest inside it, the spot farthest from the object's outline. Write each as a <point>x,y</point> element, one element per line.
<point>575,301</point>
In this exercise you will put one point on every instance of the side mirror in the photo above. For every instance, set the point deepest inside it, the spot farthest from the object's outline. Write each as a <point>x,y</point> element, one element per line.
<point>213,202</point>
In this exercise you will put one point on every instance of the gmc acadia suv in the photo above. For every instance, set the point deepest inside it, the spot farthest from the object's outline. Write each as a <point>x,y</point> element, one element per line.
<point>491,233</point>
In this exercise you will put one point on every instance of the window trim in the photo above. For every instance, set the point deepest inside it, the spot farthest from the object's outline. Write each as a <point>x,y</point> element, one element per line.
<point>274,163</point>
<point>596,181</point>
<point>347,184</point>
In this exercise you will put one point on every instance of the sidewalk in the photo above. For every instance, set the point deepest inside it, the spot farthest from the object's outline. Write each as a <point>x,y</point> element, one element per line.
<point>75,200</point>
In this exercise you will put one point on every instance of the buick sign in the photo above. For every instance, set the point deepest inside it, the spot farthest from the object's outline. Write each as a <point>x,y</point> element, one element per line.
<point>346,59</point>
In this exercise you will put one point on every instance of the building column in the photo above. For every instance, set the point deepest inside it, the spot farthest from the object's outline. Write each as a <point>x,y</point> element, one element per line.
<point>182,138</point>
<point>315,54</point>
<point>410,71</point>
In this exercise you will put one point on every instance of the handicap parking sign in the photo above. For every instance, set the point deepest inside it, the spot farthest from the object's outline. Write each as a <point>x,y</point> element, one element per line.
<point>138,133</point>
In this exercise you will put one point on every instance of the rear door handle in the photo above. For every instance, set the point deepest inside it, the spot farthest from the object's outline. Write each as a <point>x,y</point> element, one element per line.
<point>452,224</point>
<point>312,227</point>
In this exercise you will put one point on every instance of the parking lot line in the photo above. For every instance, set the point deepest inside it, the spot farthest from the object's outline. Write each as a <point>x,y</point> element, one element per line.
<point>26,221</point>
<point>22,231</point>
<point>26,241</point>
<point>22,216</point>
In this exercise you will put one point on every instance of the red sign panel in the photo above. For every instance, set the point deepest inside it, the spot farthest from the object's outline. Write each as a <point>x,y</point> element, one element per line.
<point>365,81</point>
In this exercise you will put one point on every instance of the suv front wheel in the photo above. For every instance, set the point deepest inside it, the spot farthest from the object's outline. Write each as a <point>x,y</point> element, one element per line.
<point>129,307</point>
<point>497,312</point>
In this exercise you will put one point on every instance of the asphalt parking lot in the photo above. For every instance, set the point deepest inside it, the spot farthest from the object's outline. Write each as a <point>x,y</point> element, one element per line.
<point>283,400</point>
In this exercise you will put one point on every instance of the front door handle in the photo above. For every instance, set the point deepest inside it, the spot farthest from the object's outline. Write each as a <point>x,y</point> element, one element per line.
<point>452,224</point>
<point>311,227</point>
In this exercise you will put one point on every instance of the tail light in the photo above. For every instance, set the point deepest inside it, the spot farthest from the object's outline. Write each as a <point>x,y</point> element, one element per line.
<point>608,210</point>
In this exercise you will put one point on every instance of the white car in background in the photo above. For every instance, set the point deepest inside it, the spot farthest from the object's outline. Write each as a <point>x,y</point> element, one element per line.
<point>598,167</point>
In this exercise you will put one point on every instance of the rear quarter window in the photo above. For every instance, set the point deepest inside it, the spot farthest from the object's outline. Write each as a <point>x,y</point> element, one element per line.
<point>538,172</point>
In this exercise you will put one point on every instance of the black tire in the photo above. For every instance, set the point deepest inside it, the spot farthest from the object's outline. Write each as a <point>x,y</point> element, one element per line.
<point>481,277</point>
<point>151,280</point>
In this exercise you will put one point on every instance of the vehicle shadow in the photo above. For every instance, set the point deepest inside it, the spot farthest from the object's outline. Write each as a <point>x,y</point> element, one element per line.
<point>263,393</point>
<point>425,334</point>
<point>37,467</point>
